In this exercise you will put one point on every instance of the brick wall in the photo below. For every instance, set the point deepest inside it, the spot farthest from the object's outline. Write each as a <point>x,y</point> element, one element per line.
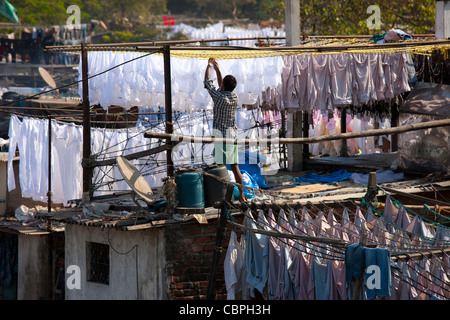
<point>189,258</point>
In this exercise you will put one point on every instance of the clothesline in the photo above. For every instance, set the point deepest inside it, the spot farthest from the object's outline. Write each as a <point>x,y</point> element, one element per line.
<point>374,222</point>
<point>412,46</point>
<point>30,136</point>
<point>435,288</point>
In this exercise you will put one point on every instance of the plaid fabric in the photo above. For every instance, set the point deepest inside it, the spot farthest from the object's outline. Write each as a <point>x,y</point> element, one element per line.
<point>224,111</point>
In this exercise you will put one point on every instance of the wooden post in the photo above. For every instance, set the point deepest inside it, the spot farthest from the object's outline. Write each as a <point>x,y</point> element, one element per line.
<point>344,147</point>
<point>211,293</point>
<point>49,189</point>
<point>168,104</point>
<point>305,129</point>
<point>295,152</point>
<point>87,170</point>
<point>283,135</point>
<point>372,182</point>
<point>371,193</point>
<point>394,124</point>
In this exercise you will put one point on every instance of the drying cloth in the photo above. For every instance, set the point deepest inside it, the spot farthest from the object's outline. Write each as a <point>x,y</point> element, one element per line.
<point>30,137</point>
<point>256,258</point>
<point>294,82</point>
<point>378,280</point>
<point>354,262</point>
<point>321,275</point>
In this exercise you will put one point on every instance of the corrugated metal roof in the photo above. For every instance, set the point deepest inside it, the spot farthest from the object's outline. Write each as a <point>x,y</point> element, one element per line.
<point>133,221</point>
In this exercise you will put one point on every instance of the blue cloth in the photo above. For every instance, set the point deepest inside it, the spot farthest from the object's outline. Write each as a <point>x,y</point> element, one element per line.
<point>254,171</point>
<point>256,259</point>
<point>249,182</point>
<point>321,274</point>
<point>339,175</point>
<point>354,262</point>
<point>380,257</point>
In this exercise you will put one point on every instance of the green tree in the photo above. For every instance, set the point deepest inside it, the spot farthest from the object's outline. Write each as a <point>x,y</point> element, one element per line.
<point>40,12</point>
<point>54,12</point>
<point>348,17</point>
<point>232,9</point>
<point>124,15</point>
<point>132,20</point>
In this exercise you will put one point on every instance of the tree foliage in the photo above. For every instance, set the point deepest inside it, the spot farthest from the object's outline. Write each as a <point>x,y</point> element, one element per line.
<point>231,9</point>
<point>138,18</point>
<point>349,16</point>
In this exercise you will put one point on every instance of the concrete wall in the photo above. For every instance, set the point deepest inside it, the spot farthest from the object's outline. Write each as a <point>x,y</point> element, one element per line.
<point>137,263</point>
<point>442,20</point>
<point>34,269</point>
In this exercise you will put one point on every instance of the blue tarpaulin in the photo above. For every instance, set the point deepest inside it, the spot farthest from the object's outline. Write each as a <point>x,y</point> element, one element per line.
<point>251,174</point>
<point>339,175</point>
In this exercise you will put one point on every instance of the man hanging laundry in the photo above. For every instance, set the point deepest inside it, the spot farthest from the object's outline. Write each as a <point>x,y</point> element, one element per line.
<point>224,123</point>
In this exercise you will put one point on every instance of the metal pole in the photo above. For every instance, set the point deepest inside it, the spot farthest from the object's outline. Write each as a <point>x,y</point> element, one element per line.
<point>86,125</point>
<point>168,104</point>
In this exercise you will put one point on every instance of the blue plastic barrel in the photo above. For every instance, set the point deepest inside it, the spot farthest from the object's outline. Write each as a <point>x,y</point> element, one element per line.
<point>190,192</point>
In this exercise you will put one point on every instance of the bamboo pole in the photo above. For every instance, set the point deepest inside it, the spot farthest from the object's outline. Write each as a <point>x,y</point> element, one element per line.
<point>151,46</point>
<point>419,255</point>
<point>310,140</point>
<point>277,234</point>
<point>417,197</point>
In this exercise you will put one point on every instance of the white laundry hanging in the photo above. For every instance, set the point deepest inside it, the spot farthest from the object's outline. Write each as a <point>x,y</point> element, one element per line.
<point>306,82</point>
<point>141,82</point>
<point>220,31</point>
<point>30,136</point>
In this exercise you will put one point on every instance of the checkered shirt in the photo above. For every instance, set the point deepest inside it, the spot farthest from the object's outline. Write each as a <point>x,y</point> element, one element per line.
<point>224,110</point>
